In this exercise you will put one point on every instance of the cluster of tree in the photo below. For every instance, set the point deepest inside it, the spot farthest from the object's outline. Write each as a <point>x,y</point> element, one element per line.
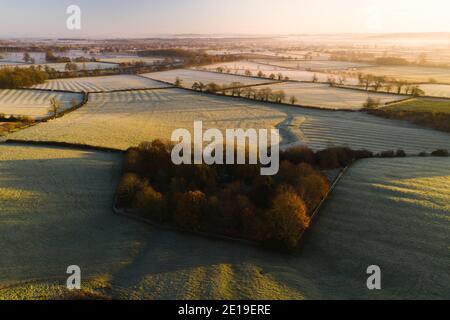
<point>13,78</point>
<point>272,76</point>
<point>50,57</point>
<point>435,120</point>
<point>190,58</point>
<point>229,200</point>
<point>378,83</point>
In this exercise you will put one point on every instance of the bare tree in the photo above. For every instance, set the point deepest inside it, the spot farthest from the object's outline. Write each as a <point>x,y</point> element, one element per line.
<point>293,99</point>
<point>55,107</point>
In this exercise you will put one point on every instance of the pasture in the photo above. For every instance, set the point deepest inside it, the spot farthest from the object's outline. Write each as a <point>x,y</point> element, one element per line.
<point>55,210</point>
<point>240,68</point>
<point>315,65</point>
<point>34,103</point>
<point>422,105</point>
<point>398,218</point>
<point>61,67</point>
<point>105,83</point>
<point>132,59</point>
<point>124,119</point>
<point>411,73</point>
<point>188,77</point>
<point>436,90</point>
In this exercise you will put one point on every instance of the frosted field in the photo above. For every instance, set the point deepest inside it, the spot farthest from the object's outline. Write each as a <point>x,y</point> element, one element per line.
<point>239,67</point>
<point>33,103</point>
<point>324,96</point>
<point>436,90</point>
<point>61,67</point>
<point>118,60</point>
<point>55,210</point>
<point>190,76</point>
<point>106,83</point>
<point>315,65</point>
<point>412,74</point>
<point>123,119</point>
<point>399,220</point>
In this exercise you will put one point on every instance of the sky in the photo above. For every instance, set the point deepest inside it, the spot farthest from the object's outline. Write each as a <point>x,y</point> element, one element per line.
<point>142,18</point>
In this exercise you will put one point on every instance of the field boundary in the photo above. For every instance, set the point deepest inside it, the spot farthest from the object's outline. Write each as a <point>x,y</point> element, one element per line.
<point>261,101</point>
<point>411,96</point>
<point>65,145</point>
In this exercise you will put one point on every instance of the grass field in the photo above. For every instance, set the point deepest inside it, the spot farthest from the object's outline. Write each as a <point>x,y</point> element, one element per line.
<point>315,65</point>
<point>436,90</point>
<point>188,77</point>
<point>123,119</point>
<point>324,96</point>
<point>398,219</point>
<point>55,211</point>
<point>106,83</point>
<point>33,103</point>
<point>422,105</point>
<point>411,73</point>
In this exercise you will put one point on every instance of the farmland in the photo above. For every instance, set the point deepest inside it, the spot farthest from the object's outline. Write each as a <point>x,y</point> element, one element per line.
<point>188,77</point>
<point>61,67</point>
<point>106,83</point>
<point>240,68</point>
<point>123,119</point>
<point>436,90</point>
<point>55,208</point>
<point>325,65</point>
<point>324,96</point>
<point>133,59</point>
<point>411,73</point>
<point>34,103</point>
<point>422,105</point>
<point>399,217</point>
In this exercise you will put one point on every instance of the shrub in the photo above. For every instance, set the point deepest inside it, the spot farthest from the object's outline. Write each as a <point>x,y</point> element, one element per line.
<point>400,154</point>
<point>440,153</point>
<point>299,154</point>
<point>387,154</point>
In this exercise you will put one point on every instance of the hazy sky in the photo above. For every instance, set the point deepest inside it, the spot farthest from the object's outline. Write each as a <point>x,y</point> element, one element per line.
<point>153,17</point>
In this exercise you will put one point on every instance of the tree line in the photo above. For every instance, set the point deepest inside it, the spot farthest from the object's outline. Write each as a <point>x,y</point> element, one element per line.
<point>238,89</point>
<point>17,77</point>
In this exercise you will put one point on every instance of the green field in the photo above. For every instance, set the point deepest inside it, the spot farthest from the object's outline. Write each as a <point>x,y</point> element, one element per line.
<point>422,105</point>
